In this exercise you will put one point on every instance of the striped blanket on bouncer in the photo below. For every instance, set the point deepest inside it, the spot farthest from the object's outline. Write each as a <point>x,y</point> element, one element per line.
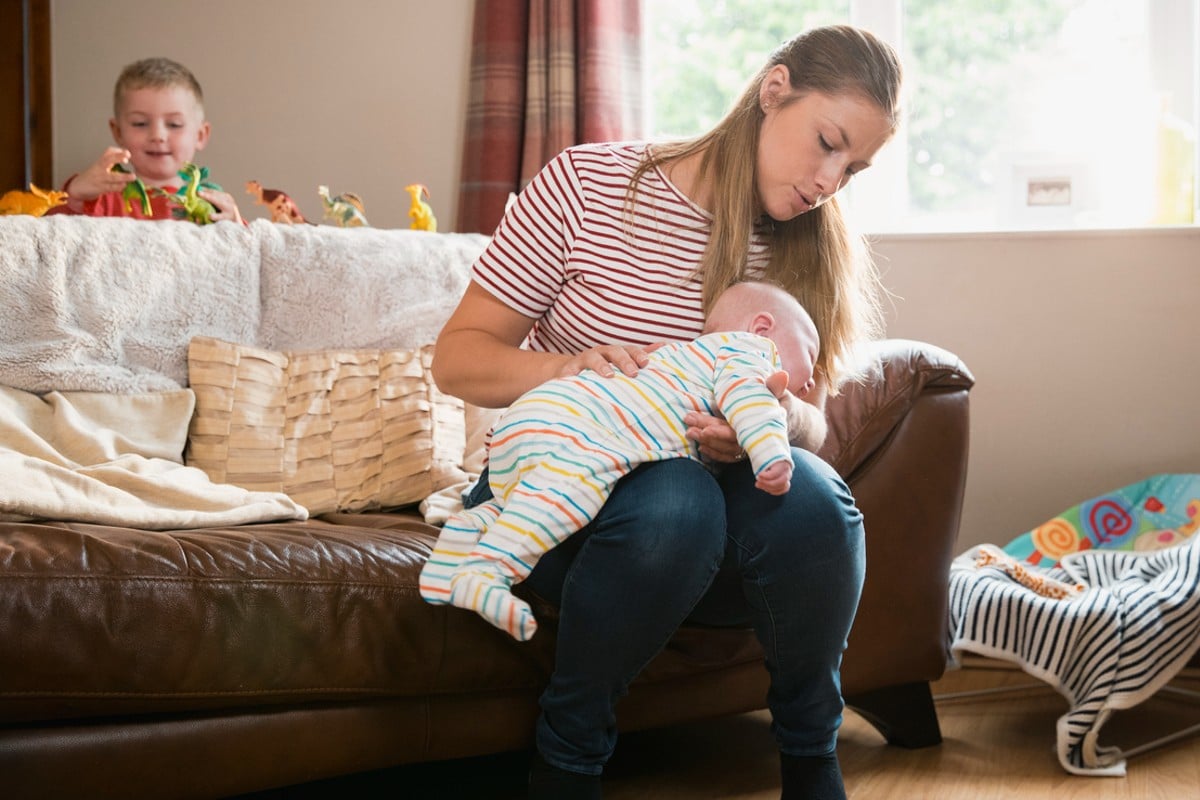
<point>1106,624</point>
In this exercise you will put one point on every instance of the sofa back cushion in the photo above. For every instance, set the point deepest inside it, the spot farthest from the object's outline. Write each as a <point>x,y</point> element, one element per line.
<point>110,304</point>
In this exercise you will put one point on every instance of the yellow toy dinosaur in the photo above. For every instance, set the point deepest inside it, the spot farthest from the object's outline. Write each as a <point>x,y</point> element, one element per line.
<point>420,211</point>
<point>35,202</point>
<point>345,210</point>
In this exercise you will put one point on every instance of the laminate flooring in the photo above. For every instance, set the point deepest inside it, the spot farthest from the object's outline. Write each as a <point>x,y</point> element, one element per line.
<point>996,746</point>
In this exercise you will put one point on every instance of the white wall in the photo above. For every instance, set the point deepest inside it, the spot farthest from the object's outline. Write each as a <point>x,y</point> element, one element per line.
<point>1083,344</point>
<point>1086,352</point>
<point>365,96</point>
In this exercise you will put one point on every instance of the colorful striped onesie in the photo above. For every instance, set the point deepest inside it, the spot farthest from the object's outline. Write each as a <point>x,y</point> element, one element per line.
<point>557,452</point>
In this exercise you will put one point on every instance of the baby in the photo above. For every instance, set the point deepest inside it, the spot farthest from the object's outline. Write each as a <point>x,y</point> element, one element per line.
<point>556,453</point>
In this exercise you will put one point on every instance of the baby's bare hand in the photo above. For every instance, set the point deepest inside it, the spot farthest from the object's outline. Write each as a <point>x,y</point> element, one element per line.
<point>776,479</point>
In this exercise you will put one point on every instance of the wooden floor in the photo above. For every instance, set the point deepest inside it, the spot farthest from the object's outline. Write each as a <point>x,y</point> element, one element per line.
<point>995,747</point>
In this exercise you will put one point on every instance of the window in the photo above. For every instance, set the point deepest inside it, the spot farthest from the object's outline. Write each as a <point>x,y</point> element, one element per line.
<point>1020,114</point>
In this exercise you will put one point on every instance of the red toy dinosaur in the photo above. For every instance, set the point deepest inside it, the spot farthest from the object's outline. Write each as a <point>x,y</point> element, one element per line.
<point>283,208</point>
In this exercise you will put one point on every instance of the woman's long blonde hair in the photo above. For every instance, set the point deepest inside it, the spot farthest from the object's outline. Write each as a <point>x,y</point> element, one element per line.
<point>814,256</point>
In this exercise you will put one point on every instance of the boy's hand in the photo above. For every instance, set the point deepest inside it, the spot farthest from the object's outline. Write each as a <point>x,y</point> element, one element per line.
<point>776,479</point>
<point>226,207</point>
<point>100,178</point>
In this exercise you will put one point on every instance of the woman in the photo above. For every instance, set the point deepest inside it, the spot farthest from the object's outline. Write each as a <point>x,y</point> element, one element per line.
<point>614,247</point>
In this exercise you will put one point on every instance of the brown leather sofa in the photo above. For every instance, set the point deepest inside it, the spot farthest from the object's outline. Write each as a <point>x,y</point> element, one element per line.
<point>215,661</point>
<point>218,661</point>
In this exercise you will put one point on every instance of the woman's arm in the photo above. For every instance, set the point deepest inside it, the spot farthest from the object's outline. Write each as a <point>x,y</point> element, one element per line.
<point>478,356</point>
<point>807,426</point>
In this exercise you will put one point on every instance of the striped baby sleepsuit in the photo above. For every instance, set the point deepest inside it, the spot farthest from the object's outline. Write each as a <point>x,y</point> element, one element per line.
<point>556,453</point>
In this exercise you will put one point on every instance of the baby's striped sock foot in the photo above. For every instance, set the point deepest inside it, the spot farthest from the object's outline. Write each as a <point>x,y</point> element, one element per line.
<point>458,538</point>
<point>491,597</point>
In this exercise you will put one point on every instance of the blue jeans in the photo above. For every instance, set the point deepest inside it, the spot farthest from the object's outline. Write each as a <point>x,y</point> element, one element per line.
<point>675,543</point>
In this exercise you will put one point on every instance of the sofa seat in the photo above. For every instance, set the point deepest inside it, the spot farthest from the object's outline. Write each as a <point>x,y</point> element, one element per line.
<point>254,616</point>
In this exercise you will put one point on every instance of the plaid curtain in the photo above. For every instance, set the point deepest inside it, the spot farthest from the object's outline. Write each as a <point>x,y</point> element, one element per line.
<point>545,74</point>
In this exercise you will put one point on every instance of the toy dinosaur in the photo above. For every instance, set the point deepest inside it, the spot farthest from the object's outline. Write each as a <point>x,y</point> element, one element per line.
<point>134,192</point>
<point>192,206</point>
<point>420,211</point>
<point>345,210</point>
<point>283,208</point>
<point>35,202</point>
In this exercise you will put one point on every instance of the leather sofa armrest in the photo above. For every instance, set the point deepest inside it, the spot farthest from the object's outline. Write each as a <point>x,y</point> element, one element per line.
<point>893,374</point>
<point>899,436</point>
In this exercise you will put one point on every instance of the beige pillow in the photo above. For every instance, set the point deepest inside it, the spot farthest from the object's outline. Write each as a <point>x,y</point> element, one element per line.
<point>337,430</point>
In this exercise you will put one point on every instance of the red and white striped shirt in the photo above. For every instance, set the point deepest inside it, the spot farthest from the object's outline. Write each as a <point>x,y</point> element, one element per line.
<point>570,255</point>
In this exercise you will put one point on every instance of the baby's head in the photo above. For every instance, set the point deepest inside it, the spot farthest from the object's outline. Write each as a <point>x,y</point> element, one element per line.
<point>768,310</point>
<point>158,116</point>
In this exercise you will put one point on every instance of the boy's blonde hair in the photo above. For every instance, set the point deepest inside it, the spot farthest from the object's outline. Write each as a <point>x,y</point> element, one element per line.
<point>155,73</point>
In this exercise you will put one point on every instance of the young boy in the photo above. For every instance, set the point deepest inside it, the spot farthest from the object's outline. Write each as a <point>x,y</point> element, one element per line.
<point>158,124</point>
<point>556,453</point>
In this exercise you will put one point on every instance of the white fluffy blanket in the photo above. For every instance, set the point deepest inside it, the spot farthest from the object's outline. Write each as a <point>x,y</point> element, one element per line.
<point>97,315</point>
<point>109,305</point>
<point>115,460</point>
<point>96,305</point>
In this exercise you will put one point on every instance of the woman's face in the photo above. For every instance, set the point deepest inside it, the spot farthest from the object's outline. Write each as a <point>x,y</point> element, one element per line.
<point>810,147</point>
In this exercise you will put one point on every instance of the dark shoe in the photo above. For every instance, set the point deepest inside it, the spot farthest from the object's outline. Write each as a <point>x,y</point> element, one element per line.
<point>547,782</point>
<point>812,778</point>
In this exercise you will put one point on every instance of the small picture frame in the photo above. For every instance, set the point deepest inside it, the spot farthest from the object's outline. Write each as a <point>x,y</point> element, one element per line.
<point>1046,194</point>
<point>1048,191</point>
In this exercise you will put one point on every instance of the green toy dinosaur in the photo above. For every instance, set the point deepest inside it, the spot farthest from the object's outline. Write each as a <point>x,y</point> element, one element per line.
<point>134,191</point>
<point>192,206</point>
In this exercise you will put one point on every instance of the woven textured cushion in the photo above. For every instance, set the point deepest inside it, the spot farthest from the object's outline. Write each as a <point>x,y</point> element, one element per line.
<point>337,430</point>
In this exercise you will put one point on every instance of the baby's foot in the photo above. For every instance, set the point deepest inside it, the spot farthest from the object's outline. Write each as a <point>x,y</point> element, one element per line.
<point>491,597</point>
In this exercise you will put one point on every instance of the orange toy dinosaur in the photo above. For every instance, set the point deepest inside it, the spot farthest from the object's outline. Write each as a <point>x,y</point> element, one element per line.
<point>35,202</point>
<point>991,556</point>
<point>283,208</point>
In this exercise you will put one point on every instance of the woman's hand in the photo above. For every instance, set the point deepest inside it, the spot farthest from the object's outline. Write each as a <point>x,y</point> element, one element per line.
<point>717,439</point>
<point>626,358</point>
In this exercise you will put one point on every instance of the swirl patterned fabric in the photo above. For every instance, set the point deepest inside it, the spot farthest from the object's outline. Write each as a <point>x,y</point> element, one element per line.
<point>1158,512</point>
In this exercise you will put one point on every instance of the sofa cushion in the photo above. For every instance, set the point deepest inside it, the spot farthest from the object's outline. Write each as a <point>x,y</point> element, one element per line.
<point>109,621</point>
<point>337,430</point>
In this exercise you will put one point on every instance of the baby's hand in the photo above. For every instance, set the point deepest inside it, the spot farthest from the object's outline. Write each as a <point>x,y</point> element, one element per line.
<point>776,479</point>
<point>100,178</point>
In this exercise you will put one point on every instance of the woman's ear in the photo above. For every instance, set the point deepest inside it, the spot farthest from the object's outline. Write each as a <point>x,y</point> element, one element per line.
<point>774,87</point>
